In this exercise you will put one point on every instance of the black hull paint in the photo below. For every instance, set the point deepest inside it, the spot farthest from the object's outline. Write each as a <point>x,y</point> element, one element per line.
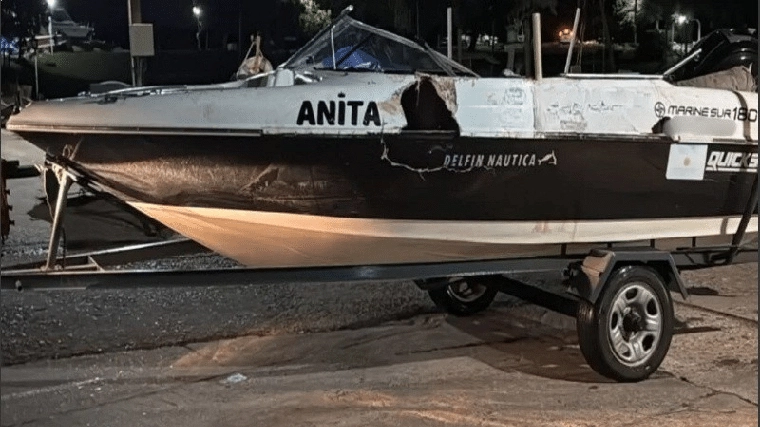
<point>406,177</point>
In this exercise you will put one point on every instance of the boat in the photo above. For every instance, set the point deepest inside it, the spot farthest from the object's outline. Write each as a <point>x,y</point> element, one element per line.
<point>367,148</point>
<point>61,23</point>
<point>75,61</point>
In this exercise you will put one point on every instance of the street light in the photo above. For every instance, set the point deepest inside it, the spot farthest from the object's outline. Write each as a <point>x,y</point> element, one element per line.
<point>682,19</point>
<point>197,12</point>
<point>51,5</point>
<point>677,19</point>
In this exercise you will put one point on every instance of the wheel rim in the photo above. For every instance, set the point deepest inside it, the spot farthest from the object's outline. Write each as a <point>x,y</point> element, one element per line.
<point>635,325</point>
<point>464,291</point>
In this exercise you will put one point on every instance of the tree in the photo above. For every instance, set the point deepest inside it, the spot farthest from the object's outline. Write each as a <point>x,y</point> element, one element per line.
<point>608,64</point>
<point>22,18</point>
<point>476,17</point>
<point>473,17</point>
<point>312,18</point>
<point>653,45</point>
<point>520,9</point>
<point>402,15</point>
<point>394,15</point>
<point>651,11</point>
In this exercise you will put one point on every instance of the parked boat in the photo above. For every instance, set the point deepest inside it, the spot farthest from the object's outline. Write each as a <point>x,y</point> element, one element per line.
<point>62,24</point>
<point>367,148</point>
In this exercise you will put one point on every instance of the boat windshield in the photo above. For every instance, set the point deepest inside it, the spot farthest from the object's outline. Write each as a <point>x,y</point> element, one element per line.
<point>60,15</point>
<point>352,45</point>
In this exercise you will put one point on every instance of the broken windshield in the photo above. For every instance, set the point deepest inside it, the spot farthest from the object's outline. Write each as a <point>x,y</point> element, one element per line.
<point>352,45</point>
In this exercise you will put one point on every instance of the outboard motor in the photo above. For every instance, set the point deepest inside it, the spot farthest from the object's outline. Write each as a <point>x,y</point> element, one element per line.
<point>724,57</point>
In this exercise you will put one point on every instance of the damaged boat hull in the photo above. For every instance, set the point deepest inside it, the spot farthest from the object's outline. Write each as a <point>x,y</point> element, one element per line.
<point>417,197</point>
<point>368,148</point>
<point>421,178</point>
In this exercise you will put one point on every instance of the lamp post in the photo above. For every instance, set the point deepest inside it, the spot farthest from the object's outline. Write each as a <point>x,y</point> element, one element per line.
<point>134,16</point>
<point>682,19</point>
<point>51,5</point>
<point>677,19</point>
<point>197,12</point>
<point>635,22</point>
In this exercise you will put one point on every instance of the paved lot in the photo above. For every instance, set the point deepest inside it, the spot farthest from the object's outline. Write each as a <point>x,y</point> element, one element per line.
<point>500,368</point>
<point>349,354</point>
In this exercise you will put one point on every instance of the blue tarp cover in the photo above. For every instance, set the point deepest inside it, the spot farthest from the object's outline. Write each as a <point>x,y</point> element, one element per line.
<point>357,59</point>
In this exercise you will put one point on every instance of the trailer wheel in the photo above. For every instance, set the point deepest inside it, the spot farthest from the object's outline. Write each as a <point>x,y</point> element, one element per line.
<point>627,333</point>
<point>465,296</point>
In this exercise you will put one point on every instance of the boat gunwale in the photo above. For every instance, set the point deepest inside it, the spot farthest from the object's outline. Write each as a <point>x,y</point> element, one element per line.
<point>539,136</point>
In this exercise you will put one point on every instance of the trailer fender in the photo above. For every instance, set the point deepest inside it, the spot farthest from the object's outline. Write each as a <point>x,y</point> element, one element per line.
<point>587,278</point>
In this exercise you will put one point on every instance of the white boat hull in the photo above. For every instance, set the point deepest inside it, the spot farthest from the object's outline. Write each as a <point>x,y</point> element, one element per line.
<point>265,239</point>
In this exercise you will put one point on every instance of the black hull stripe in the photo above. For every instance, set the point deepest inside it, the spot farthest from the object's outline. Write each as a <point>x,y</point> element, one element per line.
<point>407,177</point>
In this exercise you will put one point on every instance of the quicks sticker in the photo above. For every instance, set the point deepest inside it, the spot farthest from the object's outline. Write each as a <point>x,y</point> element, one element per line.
<point>731,161</point>
<point>691,162</point>
<point>340,112</point>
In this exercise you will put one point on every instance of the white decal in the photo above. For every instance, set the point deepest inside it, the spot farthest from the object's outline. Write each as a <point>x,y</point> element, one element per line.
<point>732,161</point>
<point>490,161</point>
<point>549,159</point>
<point>463,163</point>
<point>686,162</point>
<point>515,96</point>
<point>741,114</point>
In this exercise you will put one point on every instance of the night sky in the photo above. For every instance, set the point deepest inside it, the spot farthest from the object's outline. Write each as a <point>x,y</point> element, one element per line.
<point>174,18</point>
<point>175,25</point>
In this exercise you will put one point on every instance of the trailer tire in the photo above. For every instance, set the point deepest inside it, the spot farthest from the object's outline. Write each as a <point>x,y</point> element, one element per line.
<point>626,334</point>
<point>466,296</point>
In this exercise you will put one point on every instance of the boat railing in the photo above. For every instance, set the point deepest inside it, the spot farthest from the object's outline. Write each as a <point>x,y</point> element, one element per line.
<point>583,76</point>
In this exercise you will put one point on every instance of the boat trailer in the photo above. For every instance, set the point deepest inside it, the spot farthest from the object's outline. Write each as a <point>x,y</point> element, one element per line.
<point>621,295</point>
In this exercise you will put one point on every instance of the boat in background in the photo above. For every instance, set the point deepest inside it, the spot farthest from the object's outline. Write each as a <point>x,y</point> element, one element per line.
<point>367,148</point>
<point>78,62</point>
<point>62,25</point>
<point>65,73</point>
